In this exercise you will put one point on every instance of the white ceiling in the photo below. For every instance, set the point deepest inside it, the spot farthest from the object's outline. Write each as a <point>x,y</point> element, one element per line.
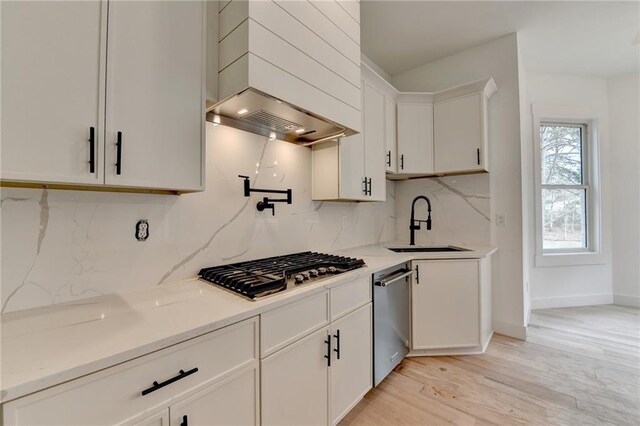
<point>598,38</point>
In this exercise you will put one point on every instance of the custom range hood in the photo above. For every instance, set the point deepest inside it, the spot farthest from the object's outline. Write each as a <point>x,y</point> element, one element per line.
<point>287,68</point>
<point>257,112</point>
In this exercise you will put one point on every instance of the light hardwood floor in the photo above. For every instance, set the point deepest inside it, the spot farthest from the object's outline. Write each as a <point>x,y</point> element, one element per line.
<point>580,366</point>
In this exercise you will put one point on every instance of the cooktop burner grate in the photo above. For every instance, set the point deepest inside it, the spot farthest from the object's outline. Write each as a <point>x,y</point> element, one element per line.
<point>259,278</point>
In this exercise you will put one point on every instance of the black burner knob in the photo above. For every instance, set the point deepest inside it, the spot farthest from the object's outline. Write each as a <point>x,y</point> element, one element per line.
<point>306,275</point>
<point>299,279</point>
<point>322,271</point>
<point>332,269</point>
<point>314,272</point>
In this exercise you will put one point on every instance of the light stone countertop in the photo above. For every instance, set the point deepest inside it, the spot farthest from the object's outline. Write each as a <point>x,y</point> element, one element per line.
<point>47,346</point>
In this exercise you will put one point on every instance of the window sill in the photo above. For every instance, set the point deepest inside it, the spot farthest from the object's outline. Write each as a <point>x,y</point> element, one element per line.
<point>570,259</point>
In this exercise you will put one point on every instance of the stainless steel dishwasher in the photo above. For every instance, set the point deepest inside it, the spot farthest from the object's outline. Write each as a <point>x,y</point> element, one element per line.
<point>390,319</point>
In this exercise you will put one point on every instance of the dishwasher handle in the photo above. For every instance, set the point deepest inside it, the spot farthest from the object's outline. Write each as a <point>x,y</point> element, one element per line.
<point>385,281</point>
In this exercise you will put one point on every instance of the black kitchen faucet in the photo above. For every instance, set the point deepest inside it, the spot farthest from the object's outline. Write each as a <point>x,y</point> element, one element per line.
<point>415,224</point>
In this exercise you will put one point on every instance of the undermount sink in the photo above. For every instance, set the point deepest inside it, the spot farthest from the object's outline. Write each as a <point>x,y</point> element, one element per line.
<point>426,249</point>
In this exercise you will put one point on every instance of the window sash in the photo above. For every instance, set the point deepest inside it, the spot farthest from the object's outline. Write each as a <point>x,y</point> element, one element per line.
<point>587,217</point>
<point>585,179</point>
<point>584,148</point>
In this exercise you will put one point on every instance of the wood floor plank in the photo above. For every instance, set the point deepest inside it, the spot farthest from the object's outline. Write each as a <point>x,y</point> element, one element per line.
<point>579,366</point>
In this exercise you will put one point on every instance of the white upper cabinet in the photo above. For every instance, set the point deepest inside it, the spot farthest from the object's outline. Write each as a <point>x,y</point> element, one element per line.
<point>353,168</point>
<point>374,143</point>
<point>460,128</point>
<point>306,53</point>
<point>415,135</point>
<point>155,95</point>
<point>66,98</point>
<point>52,71</point>
<point>391,162</point>
<point>444,132</point>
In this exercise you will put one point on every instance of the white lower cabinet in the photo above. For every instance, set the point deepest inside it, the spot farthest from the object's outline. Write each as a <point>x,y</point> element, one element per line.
<point>450,306</point>
<point>318,379</point>
<point>316,365</point>
<point>351,365</point>
<point>295,383</point>
<point>234,401</point>
<point>415,138</point>
<point>125,394</point>
<point>158,419</point>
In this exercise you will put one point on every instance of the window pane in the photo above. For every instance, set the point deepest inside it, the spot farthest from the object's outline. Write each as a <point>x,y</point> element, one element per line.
<point>564,218</point>
<point>561,154</point>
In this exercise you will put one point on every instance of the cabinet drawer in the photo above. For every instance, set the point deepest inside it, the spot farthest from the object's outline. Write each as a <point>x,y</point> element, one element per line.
<point>285,325</point>
<point>349,296</point>
<point>114,395</point>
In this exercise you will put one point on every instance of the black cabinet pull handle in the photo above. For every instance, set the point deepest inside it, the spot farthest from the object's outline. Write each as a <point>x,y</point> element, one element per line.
<point>369,191</point>
<point>337,349</point>
<point>478,153</point>
<point>92,149</point>
<point>402,161</point>
<point>328,355</point>
<point>185,421</point>
<point>389,158</point>
<point>364,182</point>
<point>157,385</point>
<point>417,275</point>
<point>119,154</point>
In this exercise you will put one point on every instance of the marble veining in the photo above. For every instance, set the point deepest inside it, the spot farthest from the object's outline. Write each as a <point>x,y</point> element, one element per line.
<point>53,344</point>
<point>60,246</point>
<point>460,209</point>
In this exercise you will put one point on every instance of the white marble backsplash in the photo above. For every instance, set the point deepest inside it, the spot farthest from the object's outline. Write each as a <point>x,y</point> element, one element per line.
<point>59,246</point>
<point>460,209</point>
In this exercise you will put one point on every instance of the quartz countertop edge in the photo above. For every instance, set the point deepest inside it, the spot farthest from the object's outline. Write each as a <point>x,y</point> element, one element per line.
<point>47,346</point>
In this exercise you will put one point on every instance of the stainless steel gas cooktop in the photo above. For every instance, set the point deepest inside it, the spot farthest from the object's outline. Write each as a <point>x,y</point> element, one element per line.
<point>259,278</point>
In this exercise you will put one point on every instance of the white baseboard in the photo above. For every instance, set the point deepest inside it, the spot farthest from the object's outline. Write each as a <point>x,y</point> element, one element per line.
<point>512,330</point>
<point>570,301</point>
<point>626,300</point>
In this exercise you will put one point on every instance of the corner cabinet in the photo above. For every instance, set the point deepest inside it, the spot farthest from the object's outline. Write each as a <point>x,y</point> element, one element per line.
<point>103,95</point>
<point>353,168</point>
<point>443,133</point>
<point>460,132</point>
<point>450,306</point>
<point>415,134</point>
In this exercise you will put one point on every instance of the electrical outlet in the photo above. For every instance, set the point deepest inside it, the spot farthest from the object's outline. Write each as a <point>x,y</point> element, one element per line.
<point>501,219</point>
<point>142,230</point>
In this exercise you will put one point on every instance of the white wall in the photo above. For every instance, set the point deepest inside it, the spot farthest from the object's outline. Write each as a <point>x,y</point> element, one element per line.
<point>65,245</point>
<point>580,284</point>
<point>498,59</point>
<point>624,138</point>
<point>527,174</point>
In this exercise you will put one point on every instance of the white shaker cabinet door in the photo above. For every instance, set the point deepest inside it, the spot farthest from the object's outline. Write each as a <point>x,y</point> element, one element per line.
<point>51,91</point>
<point>351,373</point>
<point>415,138</point>
<point>445,296</point>
<point>390,135</point>
<point>352,170</point>
<point>158,419</point>
<point>373,117</point>
<point>155,94</point>
<point>232,401</point>
<point>295,383</point>
<point>460,134</point>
